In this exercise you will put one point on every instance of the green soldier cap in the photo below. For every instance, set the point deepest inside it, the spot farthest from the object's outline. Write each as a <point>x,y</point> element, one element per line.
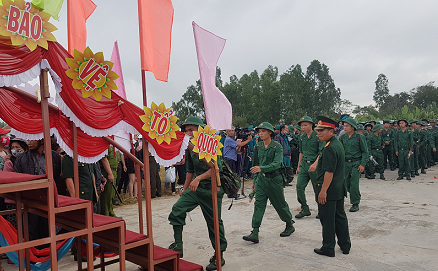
<point>410,121</point>
<point>277,127</point>
<point>421,123</point>
<point>305,118</point>
<point>324,122</point>
<point>298,127</point>
<point>352,122</point>
<point>265,125</point>
<point>359,127</point>
<point>432,121</point>
<point>386,121</point>
<point>368,124</point>
<point>193,121</point>
<point>402,120</point>
<point>291,128</point>
<point>377,127</point>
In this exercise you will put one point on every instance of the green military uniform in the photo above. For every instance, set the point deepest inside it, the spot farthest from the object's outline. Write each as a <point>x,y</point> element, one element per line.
<point>294,146</point>
<point>388,155</point>
<point>107,196</point>
<point>403,144</point>
<point>189,200</point>
<point>269,185</point>
<point>368,164</point>
<point>432,138</point>
<point>415,149</point>
<point>375,144</point>
<point>435,131</point>
<point>332,214</point>
<point>86,177</point>
<point>356,154</point>
<point>422,148</point>
<point>310,147</point>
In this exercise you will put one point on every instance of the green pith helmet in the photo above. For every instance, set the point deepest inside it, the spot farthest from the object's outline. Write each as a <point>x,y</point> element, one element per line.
<point>386,121</point>
<point>291,128</point>
<point>405,120</point>
<point>265,125</point>
<point>378,126</point>
<point>432,121</point>
<point>359,127</point>
<point>298,127</point>
<point>305,118</point>
<point>352,122</point>
<point>367,124</point>
<point>192,121</point>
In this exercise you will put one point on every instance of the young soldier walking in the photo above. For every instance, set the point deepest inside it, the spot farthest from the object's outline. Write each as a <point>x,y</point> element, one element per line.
<point>376,146</point>
<point>197,192</point>
<point>330,191</point>
<point>388,137</point>
<point>356,157</point>
<point>268,183</point>
<point>403,149</point>
<point>309,147</point>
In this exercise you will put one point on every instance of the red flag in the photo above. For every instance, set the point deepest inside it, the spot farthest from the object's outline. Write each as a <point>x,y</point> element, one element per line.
<point>155,25</point>
<point>78,12</point>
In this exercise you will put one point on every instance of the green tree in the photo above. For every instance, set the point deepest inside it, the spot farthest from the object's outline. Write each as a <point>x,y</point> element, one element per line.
<point>191,104</point>
<point>382,90</point>
<point>293,86</point>
<point>422,96</point>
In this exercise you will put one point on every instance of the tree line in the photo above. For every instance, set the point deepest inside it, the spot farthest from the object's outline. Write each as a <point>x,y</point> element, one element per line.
<point>270,96</point>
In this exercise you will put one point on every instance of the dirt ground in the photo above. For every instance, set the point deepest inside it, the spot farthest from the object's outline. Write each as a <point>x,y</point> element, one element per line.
<point>395,229</point>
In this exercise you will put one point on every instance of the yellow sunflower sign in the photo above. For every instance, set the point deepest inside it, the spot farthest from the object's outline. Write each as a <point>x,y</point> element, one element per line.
<point>207,143</point>
<point>25,24</point>
<point>92,74</point>
<point>160,123</point>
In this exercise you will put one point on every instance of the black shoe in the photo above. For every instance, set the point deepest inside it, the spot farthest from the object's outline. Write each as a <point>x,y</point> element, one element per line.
<point>158,194</point>
<point>345,252</point>
<point>393,168</point>
<point>399,178</point>
<point>413,175</point>
<point>408,178</point>
<point>116,202</point>
<point>152,196</point>
<point>84,259</point>
<point>417,174</point>
<point>317,216</point>
<point>321,252</point>
<point>423,171</point>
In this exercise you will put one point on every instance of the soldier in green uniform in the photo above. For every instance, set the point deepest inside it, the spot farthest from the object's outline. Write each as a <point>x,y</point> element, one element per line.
<point>368,130</point>
<point>415,149</point>
<point>267,160</point>
<point>376,146</point>
<point>388,138</point>
<point>403,149</point>
<point>360,129</point>
<point>368,127</point>
<point>197,192</point>
<point>356,157</point>
<point>108,165</point>
<point>330,191</point>
<point>431,131</point>
<point>422,146</point>
<point>309,147</point>
<point>434,138</point>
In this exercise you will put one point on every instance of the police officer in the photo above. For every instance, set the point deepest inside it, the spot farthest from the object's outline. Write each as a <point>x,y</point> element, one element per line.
<point>330,191</point>
<point>356,157</point>
<point>267,160</point>
<point>309,147</point>
<point>403,149</point>
<point>388,137</point>
<point>197,192</point>
<point>376,146</point>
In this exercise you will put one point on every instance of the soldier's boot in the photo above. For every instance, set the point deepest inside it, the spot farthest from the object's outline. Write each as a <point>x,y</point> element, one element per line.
<point>408,178</point>
<point>304,212</point>
<point>400,178</point>
<point>413,174</point>
<point>372,176</point>
<point>354,208</point>
<point>416,173</point>
<point>213,264</point>
<point>253,237</point>
<point>288,230</point>
<point>178,247</point>
<point>382,177</point>
<point>423,171</point>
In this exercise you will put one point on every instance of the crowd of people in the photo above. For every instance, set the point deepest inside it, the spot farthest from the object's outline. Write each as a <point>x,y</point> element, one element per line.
<point>332,155</point>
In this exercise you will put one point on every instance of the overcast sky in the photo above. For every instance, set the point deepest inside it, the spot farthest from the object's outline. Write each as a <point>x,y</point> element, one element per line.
<point>356,39</point>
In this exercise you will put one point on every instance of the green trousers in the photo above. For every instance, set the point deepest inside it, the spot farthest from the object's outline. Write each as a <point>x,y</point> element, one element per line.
<point>404,165</point>
<point>107,196</point>
<point>414,160</point>
<point>272,189</point>
<point>334,224</point>
<point>388,157</point>
<point>189,200</point>
<point>378,156</point>
<point>304,176</point>
<point>352,177</point>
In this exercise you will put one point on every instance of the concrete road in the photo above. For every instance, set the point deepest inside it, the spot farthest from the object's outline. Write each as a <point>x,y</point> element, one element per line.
<point>396,228</point>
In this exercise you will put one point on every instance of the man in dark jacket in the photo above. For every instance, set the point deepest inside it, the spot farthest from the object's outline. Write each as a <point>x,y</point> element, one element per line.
<point>33,162</point>
<point>284,141</point>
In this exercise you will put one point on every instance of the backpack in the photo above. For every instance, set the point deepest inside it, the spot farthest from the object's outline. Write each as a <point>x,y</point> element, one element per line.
<point>230,181</point>
<point>286,172</point>
<point>357,137</point>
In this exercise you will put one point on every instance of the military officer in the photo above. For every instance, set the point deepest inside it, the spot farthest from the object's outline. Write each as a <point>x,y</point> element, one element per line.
<point>330,191</point>
<point>376,146</point>
<point>403,149</point>
<point>388,138</point>
<point>267,160</point>
<point>197,192</point>
<point>356,157</point>
<point>309,147</point>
